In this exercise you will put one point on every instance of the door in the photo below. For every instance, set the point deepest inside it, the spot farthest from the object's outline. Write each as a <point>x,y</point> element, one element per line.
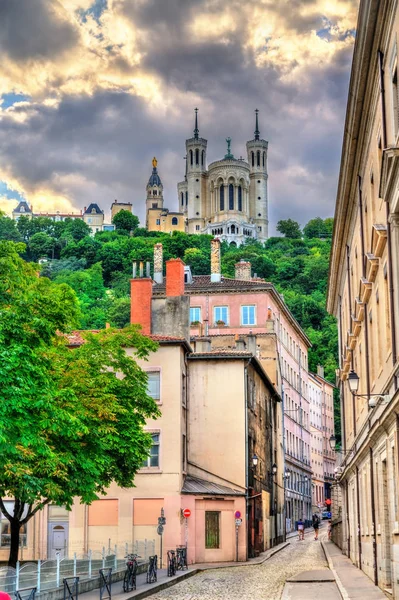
<point>57,540</point>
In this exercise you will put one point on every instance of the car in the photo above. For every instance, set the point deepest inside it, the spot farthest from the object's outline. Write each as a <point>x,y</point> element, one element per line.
<point>326,514</point>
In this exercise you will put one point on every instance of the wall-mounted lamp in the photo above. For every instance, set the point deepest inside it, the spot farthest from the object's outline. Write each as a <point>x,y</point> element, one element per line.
<point>255,461</point>
<point>373,399</point>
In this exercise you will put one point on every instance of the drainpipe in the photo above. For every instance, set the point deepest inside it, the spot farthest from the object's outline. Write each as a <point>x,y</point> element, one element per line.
<point>342,394</point>
<point>389,238</point>
<point>373,518</point>
<point>348,270</point>
<point>366,325</point>
<point>347,518</point>
<point>246,453</point>
<point>359,533</point>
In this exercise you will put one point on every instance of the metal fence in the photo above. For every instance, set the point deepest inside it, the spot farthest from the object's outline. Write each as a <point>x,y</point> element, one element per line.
<point>49,574</point>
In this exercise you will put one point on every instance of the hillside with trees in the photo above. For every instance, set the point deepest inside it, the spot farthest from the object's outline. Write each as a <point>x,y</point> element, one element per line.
<point>99,268</point>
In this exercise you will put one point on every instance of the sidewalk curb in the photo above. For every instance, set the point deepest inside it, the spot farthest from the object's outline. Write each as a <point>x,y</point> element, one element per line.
<point>342,590</point>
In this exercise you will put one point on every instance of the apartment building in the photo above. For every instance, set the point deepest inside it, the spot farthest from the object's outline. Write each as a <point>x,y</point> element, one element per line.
<point>363,295</point>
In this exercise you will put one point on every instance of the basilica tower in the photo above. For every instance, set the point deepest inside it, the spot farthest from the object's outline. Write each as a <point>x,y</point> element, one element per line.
<point>258,198</point>
<point>154,189</point>
<point>195,188</point>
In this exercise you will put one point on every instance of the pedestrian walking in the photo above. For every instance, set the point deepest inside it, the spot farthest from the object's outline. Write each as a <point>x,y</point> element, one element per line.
<point>301,530</point>
<point>316,524</point>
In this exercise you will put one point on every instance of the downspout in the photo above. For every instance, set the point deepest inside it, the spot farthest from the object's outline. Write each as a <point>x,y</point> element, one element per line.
<point>389,237</point>
<point>246,454</point>
<point>366,326</point>
<point>373,518</point>
<point>350,326</point>
<point>347,518</point>
<point>359,518</point>
<point>342,387</point>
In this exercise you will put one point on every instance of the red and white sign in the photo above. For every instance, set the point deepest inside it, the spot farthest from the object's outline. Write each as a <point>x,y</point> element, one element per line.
<point>237,514</point>
<point>328,501</point>
<point>186,513</point>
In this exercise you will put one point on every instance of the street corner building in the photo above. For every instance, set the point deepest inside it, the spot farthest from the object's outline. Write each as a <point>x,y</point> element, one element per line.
<point>364,296</point>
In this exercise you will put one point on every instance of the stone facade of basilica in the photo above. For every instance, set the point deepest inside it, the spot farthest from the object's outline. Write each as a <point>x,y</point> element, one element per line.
<point>227,198</point>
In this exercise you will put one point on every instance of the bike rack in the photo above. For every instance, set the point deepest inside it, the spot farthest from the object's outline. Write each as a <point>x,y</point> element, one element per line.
<point>31,594</point>
<point>71,590</point>
<point>105,583</point>
<point>152,569</point>
<point>171,554</point>
<point>181,557</point>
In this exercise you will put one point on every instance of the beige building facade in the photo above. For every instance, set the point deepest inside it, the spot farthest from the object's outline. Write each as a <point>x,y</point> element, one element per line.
<point>363,295</point>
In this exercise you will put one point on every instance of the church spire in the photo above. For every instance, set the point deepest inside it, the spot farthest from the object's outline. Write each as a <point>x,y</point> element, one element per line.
<point>257,132</point>
<point>196,130</point>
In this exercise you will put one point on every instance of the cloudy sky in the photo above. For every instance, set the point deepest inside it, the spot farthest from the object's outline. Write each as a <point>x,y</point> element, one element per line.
<point>91,90</point>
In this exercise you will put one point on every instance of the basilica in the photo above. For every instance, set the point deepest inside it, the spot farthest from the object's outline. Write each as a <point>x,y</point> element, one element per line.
<point>226,199</point>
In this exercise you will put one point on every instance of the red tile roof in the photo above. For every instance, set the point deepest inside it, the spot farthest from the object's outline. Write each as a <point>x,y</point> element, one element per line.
<point>76,338</point>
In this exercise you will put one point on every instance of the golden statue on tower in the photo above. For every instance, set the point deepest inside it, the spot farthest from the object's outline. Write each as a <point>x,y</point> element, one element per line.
<point>154,162</point>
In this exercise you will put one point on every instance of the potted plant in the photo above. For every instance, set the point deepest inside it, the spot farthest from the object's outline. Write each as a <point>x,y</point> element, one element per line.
<point>220,323</point>
<point>195,323</point>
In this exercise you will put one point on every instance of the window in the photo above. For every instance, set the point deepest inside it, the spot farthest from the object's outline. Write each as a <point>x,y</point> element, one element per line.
<point>222,197</point>
<point>186,198</point>
<point>158,221</point>
<point>248,315</point>
<point>221,314</point>
<point>394,75</point>
<point>197,157</point>
<point>155,205</point>
<point>195,314</point>
<point>182,198</point>
<point>5,530</point>
<point>184,452</point>
<point>153,385</point>
<point>231,196</point>
<point>153,459</point>
<point>197,228</point>
<point>203,157</point>
<point>258,158</point>
<point>240,198</point>
<point>264,159</point>
<point>191,157</point>
<point>212,529</point>
<point>253,159</point>
<point>155,193</point>
<point>175,220</point>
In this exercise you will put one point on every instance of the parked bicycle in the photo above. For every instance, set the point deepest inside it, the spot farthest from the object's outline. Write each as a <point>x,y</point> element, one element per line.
<point>129,580</point>
<point>152,569</point>
<point>172,564</point>
<point>181,558</point>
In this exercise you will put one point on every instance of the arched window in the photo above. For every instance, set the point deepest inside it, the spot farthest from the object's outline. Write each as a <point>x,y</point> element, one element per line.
<point>240,197</point>
<point>197,156</point>
<point>191,157</point>
<point>182,198</point>
<point>203,158</point>
<point>154,193</point>
<point>253,159</point>
<point>258,158</point>
<point>175,220</point>
<point>221,197</point>
<point>264,159</point>
<point>231,196</point>
<point>233,229</point>
<point>186,198</point>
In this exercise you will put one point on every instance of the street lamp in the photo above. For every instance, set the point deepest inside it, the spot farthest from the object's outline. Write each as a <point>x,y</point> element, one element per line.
<point>274,469</point>
<point>287,474</point>
<point>353,382</point>
<point>255,460</point>
<point>333,442</point>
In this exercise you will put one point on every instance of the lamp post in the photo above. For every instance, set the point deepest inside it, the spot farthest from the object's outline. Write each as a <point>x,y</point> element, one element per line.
<point>353,383</point>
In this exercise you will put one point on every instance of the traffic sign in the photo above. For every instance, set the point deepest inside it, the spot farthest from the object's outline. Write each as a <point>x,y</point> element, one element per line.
<point>186,513</point>
<point>237,514</point>
<point>160,529</point>
<point>328,501</point>
<point>238,522</point>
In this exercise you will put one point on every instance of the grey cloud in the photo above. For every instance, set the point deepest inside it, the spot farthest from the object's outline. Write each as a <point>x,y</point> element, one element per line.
<point>30,29</point>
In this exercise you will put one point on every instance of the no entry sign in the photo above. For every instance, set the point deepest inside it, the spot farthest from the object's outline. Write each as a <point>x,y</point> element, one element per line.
<point>186,513</point>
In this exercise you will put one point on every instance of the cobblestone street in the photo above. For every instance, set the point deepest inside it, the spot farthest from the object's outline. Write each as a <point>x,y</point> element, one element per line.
<point>257,582</point>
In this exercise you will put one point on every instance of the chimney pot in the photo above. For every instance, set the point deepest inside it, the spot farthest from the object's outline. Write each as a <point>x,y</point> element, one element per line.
<point>140,303</point>
<point>215,261</point>
<point>243,270</point>
<point>175,277</point>
<point>158,263</point>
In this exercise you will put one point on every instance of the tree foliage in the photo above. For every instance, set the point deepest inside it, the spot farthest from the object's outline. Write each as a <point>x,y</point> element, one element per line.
<point>124,220</point>
<point>289,228</point>
<point>69,425</point>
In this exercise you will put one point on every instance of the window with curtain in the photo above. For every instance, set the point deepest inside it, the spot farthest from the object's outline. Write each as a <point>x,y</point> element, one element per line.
<point>221,192</point>
<point>153,385</point>
<point>231,196</point>
<point>240,198</point>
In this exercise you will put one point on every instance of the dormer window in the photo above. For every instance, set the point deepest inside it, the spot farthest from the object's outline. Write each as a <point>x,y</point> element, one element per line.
<point>22,209</point>
<point>93,211</point>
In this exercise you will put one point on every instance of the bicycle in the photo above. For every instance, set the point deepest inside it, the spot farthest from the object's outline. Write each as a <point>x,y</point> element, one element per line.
<point>172,565</point>
<point>152,569</point>
<point>181,558</point>
<point>129,580</point>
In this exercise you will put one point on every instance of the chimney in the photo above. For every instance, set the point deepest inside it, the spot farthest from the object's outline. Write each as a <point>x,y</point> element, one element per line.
<point>215,261</point>
<point>243,270</point>
<point>239,343</point>
<point>203,344</point>
<point>140,303</point>
<point>175,277</point>
<point>320,371</point>
<point>158,263</point>
<point>251,343</point>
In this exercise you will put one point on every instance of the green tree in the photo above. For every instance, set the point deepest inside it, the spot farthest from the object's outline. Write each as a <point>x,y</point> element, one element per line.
<point>317,228</point>
<point>71,422</point>
<point>41,245</point>
<point>75,229</point>
<point>289,228</point>
<point>118,311</point>
<point>8,229</point>
<point>124,220</point>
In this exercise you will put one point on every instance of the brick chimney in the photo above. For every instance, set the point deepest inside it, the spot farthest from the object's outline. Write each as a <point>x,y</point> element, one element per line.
<point>175,277</point>
<point>320,371</point>
<point>215,261</point>
<point>140,303</point>
<point>158,263</point>
<point>243,270</point>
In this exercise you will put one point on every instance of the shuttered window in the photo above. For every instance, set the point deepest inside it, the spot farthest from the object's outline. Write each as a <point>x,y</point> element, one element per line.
<point>212,529</point>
